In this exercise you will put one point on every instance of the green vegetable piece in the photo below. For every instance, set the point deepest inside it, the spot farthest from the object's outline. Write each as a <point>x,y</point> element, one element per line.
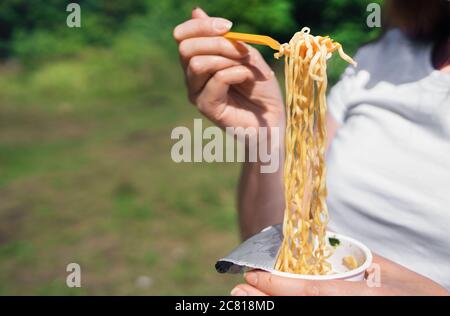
<point>334,241</point>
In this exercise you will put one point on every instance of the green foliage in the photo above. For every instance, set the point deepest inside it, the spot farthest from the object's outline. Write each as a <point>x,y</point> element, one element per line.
<point>40,46</point>
<point>37,34</point>
<point>34,32</point>
<point>44,24</point>
<point>258,16</point>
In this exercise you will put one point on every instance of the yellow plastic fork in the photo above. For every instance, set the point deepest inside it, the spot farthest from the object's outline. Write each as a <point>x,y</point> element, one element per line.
<point>253,39</point>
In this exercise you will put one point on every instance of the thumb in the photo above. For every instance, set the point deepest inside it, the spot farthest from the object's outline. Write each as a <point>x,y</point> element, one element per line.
<point>277,285</point>
<point>198,13</point>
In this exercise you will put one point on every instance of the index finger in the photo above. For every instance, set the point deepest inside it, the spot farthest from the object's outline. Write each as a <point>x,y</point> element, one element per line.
<point>201,28</point>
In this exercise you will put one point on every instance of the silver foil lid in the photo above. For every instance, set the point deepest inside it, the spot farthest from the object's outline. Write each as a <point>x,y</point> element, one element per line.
<point>258,252</point>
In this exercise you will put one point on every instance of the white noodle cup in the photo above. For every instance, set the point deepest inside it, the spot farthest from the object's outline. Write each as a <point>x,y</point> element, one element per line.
<point>347,247</point>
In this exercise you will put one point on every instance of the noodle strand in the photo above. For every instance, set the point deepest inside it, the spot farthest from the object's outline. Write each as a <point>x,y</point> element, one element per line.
<point>304,248</point>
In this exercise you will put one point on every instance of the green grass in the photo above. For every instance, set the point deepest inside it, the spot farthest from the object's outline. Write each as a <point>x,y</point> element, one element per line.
<point>86,177</point>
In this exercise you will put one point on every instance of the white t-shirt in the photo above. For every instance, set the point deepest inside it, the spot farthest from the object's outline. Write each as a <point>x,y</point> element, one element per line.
<point>389,163</point>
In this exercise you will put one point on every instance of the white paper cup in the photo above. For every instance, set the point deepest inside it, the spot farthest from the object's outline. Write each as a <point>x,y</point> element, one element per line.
<point>347,247</point>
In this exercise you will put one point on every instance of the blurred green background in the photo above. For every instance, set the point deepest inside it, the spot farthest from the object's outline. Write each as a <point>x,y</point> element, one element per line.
<point>85,121</point>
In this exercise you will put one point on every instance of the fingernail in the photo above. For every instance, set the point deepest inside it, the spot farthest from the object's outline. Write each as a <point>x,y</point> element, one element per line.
<point>221,25</point>
<point>251,278</point>
<point>238,292</point>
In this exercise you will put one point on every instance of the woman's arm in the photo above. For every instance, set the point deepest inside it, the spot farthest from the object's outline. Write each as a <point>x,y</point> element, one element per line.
<point>261,198</point>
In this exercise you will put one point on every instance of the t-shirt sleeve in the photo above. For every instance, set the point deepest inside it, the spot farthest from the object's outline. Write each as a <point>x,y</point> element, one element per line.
<point>338,98</point>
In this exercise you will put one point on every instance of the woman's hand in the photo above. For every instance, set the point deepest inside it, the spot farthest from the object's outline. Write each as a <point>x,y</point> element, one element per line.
<point>395,280</point>
<point>230,83</point>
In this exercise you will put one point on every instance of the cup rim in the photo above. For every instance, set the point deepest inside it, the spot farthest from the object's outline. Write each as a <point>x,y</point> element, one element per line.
<point>344,275</point>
